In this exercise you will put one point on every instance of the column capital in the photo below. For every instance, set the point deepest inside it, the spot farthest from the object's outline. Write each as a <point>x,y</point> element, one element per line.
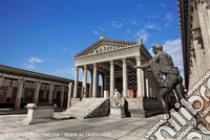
<point>21,79</point>
<point>85,66</point>
<point>1,75</point>
<point>70,84</point>
<point>38,82</point>
<point>138,60</point>
<point>95,65</point>
<point>111,62</point>
<point>52,84</point>
<point>124,60</point>
<point>138,57</point>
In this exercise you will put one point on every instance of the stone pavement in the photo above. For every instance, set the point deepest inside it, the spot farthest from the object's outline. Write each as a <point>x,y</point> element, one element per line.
<point>103,128</point>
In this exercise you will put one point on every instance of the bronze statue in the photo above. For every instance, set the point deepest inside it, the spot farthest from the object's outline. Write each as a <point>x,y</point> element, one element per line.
<point>166,75</point>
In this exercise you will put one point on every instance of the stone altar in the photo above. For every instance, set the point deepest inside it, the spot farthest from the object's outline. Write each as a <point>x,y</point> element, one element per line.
<point>37,114</point>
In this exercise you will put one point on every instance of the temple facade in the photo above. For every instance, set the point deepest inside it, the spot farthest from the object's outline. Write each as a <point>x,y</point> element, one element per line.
<point>114,60</point>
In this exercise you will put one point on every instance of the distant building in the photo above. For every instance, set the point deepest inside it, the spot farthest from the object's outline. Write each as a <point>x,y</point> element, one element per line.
<point>195,35</point>
<point>19,87</point>
<point>194,18</point>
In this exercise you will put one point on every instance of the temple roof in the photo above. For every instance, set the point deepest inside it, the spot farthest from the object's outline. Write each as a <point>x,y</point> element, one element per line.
<point>104,42</point>
<point>30,74</point>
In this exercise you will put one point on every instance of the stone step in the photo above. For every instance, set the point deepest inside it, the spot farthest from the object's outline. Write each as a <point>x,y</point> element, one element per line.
<point>84,108</point>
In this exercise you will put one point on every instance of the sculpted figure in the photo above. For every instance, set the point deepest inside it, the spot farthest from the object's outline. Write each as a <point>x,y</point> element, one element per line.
<point>166,75</point>
<point>117,98</point>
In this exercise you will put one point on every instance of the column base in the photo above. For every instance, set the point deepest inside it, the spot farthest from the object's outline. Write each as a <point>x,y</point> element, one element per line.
<point>131,93</point>
<point>17,103</point>
<point>36,101</point>
<point>61,104</point>
<point>50,102</point>
<point>106,94</point>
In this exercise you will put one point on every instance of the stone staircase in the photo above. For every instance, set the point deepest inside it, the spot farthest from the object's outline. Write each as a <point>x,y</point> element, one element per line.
<point>88,108</point>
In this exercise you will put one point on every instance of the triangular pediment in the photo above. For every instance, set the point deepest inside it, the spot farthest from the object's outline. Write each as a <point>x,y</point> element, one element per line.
<point>103,48</point>
<point>104,45</point>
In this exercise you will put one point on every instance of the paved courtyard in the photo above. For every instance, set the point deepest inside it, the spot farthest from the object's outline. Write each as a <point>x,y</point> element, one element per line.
<point>103,128</point>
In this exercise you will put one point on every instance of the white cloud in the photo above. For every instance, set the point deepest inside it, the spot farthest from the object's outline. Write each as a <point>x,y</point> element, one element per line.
<point>95,32</point>
<point>141,5</point>
<point>32,62</point>
<point>173,48</point>
<point>133,21</point>
<point>68,70</point>
<point>152,26</point>
<point>64,72</point>
<point>163,5</point>
<point>169,18</point>
<point>102,29</point>
<point>142,34</point>
<point>153,17</point>
<point>116,25</point>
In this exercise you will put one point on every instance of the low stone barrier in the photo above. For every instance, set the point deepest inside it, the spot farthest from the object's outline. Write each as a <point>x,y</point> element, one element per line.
<point>38,114</point>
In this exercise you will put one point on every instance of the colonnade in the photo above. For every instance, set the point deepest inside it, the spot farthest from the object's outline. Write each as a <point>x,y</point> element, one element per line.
<point>94,70</point>
<point>20,81</point>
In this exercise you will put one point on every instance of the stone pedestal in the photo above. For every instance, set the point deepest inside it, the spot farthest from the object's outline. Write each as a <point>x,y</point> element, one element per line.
<point>37,114</point>
<point>136,107</point>
<point>117,103</point>
<point>117,112</point>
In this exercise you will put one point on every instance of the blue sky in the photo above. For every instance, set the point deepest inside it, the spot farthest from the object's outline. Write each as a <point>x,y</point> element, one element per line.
<point>44,35</point>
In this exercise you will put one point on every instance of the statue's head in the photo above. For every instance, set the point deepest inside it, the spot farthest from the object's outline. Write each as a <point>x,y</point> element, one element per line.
<point>156,48</point>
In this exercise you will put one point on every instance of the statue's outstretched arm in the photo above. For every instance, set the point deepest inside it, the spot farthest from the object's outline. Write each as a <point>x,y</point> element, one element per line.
<point>145,66</point>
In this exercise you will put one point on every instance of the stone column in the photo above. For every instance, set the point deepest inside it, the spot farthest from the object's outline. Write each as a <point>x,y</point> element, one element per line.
<point>50,97</point>
<point>62,96</point>
<point>69,96</point>
<point>112,79</point>
<point>140,79</point>
<point>76,82</point>
<point>19,94</point>
<point>97,85</point>
<point>1,81</point>
<point>105,86</point>
<point>84,83</point>
<point>95,76</point>
<point>91,84</point>
<point>45,95</point>
<point>36,94</point>
<point>147,88</point>
<point>102,85</point>
<point>125,78</point>
<point>151,85</point>
<point>9,92</point>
